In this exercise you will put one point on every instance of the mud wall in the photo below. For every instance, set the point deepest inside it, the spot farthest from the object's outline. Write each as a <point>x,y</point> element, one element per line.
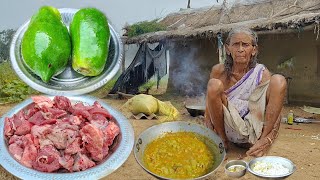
<point>295,55</point>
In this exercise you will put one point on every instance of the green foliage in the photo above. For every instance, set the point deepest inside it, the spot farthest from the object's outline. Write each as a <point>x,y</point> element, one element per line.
<point>6,72</point>
<point>286,64</point>
<point>147,86</point>
<point>145,27</point>
<point>12,89</point>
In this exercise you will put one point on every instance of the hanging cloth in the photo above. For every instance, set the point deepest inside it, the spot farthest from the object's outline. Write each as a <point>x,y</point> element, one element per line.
<point>147,63</point>
<point>158,57</point>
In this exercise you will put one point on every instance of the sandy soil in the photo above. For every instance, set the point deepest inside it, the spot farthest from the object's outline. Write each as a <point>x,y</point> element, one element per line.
<point>299,142</point>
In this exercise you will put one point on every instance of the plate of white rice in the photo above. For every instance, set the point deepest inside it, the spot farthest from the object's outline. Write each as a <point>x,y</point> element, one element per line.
<point>271,167</point>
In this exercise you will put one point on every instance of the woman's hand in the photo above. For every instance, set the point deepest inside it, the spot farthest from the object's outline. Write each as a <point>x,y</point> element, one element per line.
<point>260,148</point>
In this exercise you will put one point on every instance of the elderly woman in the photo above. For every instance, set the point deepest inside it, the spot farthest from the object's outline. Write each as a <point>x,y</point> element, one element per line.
<point>244,100</point>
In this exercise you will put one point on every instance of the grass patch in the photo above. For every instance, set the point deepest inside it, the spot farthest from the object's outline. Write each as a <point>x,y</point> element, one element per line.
<point>6,73</point>
<point>144,27</point>
<point>12,88</point>
<point>150,87</point>
<point>144,88</point>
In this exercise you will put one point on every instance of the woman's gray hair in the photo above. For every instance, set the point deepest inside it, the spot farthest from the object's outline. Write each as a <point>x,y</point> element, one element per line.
<point>229,61</point>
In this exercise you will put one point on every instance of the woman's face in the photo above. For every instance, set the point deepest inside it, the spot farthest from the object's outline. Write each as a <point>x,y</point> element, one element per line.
<point>241,49</point>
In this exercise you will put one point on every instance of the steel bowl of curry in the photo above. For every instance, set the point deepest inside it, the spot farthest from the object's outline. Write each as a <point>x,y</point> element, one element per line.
<point>179,150</point>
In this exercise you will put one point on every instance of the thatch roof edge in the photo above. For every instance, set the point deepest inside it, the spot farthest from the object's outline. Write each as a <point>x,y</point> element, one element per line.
<point>293,22</point>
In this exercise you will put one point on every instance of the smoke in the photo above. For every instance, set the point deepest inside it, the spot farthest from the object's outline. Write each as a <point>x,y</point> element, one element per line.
<point>187,74</point>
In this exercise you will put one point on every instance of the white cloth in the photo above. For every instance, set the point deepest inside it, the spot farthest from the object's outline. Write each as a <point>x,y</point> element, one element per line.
<point>249,129</point>
<point>238,95</point>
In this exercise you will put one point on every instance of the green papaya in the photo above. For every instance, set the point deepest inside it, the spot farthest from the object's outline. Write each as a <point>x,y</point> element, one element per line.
<point>90,35</point>
<point>46,14</point>
<point>46,44</point>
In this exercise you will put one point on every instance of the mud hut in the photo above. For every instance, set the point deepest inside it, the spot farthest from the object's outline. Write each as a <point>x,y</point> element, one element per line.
<point>289,43</point>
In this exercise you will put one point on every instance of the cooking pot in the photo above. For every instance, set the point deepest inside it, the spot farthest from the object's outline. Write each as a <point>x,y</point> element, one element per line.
<point>196,110</point>
<point>212,140</point>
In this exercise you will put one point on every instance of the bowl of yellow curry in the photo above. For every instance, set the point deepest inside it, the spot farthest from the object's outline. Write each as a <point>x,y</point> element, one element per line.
<point>179,150</point>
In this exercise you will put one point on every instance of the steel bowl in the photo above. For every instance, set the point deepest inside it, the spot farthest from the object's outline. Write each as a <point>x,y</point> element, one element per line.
<point>272,159</point>
<point>67,82</point>
<point>213,141</point>
<point>238,173</point>
<point>118,153</point>
<point>196,110</point>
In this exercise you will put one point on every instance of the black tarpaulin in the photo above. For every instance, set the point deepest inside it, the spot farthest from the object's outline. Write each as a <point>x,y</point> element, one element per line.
<point>146,63</point>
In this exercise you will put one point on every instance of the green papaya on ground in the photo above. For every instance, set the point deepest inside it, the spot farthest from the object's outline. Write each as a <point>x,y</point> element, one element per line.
<point>90,35</point>
<point>46,44</point>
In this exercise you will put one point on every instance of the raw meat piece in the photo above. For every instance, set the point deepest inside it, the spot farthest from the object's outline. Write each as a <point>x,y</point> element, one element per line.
<point>66,161</point>
<point>74,146</point>
<point>81,110</point>
<point>42,101</point>
<point>37,118</point>
<point>54,113</point>
<point>8,127</point>
<point>16,125</point>
<point>30,110</point>
<point>23,149</point>
<point>51,135</point>
<point>30,151</point>
<point>93,140</point>
<point>112,131</point>
<point>47,159</point>
<point>16,151</point>
<point>82,162</point>
<point>25,128</point>
<point>41,131</point>
<point>40,135</point>
<point>62,102</point>
<point>61,133</point>
<point>98,109</point>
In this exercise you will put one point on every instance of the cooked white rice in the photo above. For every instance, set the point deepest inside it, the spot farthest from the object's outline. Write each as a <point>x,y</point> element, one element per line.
<point>267,168</point>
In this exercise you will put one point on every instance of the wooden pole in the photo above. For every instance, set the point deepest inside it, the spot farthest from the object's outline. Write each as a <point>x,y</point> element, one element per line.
<point>188,6</point>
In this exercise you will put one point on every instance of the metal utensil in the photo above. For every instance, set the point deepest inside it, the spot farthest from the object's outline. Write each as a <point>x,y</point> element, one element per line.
<point>214,142</point>
<point>68,82</point>
<point>119,152</point>
<point>196,110</point>
<point>272,159</point>
<point>305,120</point>
<point>238,173</point>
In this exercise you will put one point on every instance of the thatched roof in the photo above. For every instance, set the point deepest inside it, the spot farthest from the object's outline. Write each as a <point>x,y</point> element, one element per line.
<point>267,16</point>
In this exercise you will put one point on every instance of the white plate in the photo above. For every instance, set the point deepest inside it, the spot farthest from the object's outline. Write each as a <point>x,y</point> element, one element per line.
<point>272,159</point>
<point>121,150</point>
<point>68,82</point>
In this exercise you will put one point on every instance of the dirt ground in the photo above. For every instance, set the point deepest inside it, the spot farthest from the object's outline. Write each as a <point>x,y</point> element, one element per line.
<point>298,142</point>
